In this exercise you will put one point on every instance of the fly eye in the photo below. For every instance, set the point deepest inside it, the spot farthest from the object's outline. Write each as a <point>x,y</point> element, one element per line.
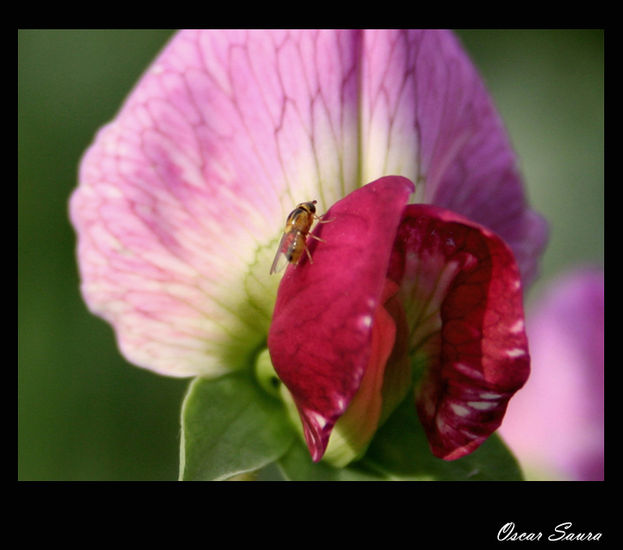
<point>312,207</point>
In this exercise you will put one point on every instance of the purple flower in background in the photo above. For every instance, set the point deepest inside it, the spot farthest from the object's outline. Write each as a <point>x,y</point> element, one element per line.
<point>183,196</point>
<point>555,424</point>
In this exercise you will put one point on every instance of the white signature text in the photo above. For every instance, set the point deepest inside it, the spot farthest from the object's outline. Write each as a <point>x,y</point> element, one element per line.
<point>562,532</point>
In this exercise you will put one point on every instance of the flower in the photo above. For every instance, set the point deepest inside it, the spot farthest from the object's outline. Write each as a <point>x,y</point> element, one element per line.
<point>182,197</point>
<point>555,424</point>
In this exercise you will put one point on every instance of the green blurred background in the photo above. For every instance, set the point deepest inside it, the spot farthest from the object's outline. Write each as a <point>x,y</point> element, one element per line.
<point>86,414</point>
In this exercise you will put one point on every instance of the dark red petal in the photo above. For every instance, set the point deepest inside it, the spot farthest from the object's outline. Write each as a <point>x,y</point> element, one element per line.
<point>471,328</point>
<point>320,335</point>
<point>356,427</point>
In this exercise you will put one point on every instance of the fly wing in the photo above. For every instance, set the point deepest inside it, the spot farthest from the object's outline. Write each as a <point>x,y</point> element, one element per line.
<point>279,262</point>
<point>281,259</point>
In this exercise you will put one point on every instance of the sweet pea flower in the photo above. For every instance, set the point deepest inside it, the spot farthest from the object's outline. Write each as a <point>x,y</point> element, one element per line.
<point>555,425</point>
<point>417,282</point>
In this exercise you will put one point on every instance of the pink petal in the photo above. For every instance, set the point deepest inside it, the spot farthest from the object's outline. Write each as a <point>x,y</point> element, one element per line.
<point>320,337</point>
<point>426,115</point>
<point>183,196</point>
<point>462,294</point>
<point>555,425</point>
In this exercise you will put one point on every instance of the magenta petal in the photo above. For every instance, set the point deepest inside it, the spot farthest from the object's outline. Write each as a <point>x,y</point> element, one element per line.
<point>320,336</point>
<point>478,354</point>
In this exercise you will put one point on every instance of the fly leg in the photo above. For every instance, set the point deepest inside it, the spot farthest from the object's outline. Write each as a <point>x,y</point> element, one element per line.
<point>308,252</point>
<point>320,220</point>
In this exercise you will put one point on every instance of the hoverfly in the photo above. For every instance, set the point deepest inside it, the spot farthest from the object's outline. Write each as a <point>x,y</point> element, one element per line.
<point>294,239</point>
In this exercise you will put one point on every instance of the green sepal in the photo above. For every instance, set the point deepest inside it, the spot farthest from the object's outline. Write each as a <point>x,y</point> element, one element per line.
<point>230,426</point>
<point>297,465</point>
<point>400,451</point>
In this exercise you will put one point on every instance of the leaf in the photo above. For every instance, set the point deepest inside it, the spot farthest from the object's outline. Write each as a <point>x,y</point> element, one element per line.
<point>400,451</point>
<point>230,426</point>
